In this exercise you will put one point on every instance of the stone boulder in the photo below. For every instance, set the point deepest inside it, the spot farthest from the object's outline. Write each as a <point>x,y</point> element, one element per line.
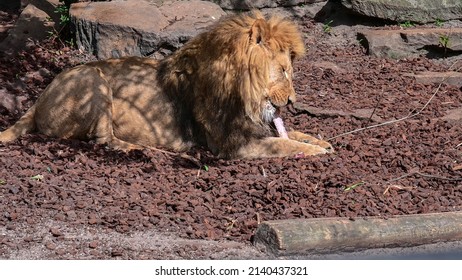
<point>34,24</point>
<point>433,42</point>
<point>419,11</point>
<point>11,102</point>
<point>258,4</point>
<point>140,28</point>
<point>48,6</point>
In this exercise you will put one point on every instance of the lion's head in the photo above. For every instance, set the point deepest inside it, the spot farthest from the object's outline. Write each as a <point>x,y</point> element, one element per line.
<point>246,57</point>
<point>262,52</point>
<point>234,76</point>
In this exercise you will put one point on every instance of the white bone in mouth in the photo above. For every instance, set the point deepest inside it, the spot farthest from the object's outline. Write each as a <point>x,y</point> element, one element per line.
<point>280,127</point>
<point>268,112</point>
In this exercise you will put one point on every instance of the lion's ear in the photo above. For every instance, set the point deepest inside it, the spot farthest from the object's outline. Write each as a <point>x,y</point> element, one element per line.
<point>259,31</point>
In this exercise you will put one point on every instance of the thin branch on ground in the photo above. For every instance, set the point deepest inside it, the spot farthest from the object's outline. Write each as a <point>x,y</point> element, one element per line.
<point>263,172</point>
<point>412,114</point>
<point>328,113</point>
<point>396,187</point>
<point>426,176</point>
<point>419,174</point>
<point>379,100</point>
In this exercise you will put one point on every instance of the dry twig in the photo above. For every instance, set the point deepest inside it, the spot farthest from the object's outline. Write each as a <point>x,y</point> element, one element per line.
<point>453,179</point>
<point>426,176</point>
<point>263,172</point>
<point>410,115</point>
<point>396,187</point>
<point>375,107</point>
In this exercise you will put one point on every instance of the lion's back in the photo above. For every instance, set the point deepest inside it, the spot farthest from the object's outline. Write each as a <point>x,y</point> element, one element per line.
<point>143,112</point>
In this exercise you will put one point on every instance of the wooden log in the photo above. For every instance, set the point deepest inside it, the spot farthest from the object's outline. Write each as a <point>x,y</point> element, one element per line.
<point>329,235</point>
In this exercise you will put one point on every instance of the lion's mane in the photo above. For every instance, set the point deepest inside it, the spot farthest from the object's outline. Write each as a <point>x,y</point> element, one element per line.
<point>222,77</point>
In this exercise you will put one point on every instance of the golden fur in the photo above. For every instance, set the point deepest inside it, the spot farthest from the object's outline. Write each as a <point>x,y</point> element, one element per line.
<point>220,90</point>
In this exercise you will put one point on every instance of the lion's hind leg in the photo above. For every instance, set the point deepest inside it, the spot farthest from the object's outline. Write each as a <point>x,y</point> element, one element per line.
<point>103,132</point>
<point>78,104</point>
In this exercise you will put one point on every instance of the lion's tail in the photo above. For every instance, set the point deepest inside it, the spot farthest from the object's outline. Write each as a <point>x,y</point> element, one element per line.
<point>25,124</point>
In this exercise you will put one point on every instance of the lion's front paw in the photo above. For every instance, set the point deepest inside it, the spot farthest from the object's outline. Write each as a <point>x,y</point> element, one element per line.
<point>312,150</point>
<point>305,138</point>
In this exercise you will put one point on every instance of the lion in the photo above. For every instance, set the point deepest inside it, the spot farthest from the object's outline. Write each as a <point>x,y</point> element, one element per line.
<point>221,90</point>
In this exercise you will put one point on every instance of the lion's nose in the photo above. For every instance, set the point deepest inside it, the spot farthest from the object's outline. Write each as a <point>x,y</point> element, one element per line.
<point>292,98</point>
<point>291,101</point>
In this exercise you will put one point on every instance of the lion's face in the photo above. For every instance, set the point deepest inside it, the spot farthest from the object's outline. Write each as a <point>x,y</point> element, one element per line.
<point>280,87</point>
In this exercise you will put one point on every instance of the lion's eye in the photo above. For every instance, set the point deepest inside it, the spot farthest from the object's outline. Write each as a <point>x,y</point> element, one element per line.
<point>285,74</point>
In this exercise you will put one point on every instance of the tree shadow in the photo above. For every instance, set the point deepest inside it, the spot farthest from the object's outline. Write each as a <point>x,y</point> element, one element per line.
<point>439,52</point>
<point>11,6</point>
<point>29,28</point>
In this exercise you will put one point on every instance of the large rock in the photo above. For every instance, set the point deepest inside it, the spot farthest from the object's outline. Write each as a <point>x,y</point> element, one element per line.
<point>258,4</point>
<point>412,42</point>
<point>11,102</point>
<point>48,6</point>
<point>32,25</point>
<point>420,11</point>
<point>123,28</point>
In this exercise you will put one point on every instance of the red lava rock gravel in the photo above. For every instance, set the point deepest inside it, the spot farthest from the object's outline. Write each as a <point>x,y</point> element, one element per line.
<point>83,194</point>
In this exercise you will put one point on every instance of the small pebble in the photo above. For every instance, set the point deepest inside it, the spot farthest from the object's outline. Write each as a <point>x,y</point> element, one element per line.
<point>93,244</point>
<point>50,245</point>
<point>56,231</point>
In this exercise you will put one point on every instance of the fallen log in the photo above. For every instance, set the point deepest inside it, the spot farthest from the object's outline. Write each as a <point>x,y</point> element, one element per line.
<point>329,235</point>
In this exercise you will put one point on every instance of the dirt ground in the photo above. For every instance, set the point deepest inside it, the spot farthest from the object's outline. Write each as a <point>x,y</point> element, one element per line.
<point>67,199</point>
